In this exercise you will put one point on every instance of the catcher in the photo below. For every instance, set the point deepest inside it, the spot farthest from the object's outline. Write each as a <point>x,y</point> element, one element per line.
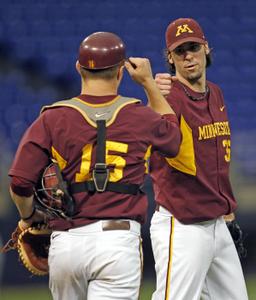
<point>101,142</point>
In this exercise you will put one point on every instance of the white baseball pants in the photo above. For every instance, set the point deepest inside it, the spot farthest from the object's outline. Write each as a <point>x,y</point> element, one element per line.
<point>93,263</point>
<point>197,261</point>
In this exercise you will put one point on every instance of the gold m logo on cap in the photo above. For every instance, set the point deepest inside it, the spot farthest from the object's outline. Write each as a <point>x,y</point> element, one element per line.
<point>91,63</point>
<point>182,29</point>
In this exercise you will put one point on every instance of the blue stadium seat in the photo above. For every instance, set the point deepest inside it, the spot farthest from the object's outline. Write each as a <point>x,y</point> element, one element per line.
<point>32,112</point>
<point>46,96</point>
<point>49,33</point>
<point>247,39</point>
<point>247,72</point>
<point>245,56</point>
<point>223,56</point>
<point>14,113</point>
<point>16,28</point>
<point>57,64</point>
<point>16,131</point>
<point>248,22</point>
<point>25,47</point>
<point>226,73</point>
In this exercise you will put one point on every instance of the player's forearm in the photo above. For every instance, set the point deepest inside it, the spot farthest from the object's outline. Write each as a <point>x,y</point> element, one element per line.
<point>24,204</point>
<point>155,99</point>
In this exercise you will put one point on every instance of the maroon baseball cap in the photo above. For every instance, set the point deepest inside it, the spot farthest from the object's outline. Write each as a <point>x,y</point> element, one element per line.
<point>183,30</point>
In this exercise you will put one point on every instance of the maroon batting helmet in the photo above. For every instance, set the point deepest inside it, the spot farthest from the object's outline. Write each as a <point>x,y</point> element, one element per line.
<point>101,50</point>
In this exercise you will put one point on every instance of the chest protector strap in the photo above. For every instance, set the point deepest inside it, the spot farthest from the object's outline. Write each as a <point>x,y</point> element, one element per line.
<point>100,173</point>
<point>100,116</point>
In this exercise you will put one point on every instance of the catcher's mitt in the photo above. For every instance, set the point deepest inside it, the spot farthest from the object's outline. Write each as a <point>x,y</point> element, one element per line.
<point>32,245</point>
<point>238,237</point>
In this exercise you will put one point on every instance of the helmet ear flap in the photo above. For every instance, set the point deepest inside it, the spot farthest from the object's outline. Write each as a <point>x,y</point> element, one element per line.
<point>101,50</point>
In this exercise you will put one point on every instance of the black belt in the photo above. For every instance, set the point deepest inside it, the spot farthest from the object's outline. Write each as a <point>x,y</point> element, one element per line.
<point>89,186</point>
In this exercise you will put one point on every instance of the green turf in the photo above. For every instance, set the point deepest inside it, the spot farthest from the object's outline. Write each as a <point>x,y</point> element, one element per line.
<point>42,293</point>
<point>251,287</point>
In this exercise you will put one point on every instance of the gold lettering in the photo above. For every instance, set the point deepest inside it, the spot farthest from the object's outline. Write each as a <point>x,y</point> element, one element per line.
<point>202,132</point>
<point>211,133</point>
<point>182,29</point>
<point>225,129</point>
<point>217,128</point>
<point>91,63</point>
<point>226,144</point>
<point>222,128</point>
<point>228,129</point>
<point>212,130</point>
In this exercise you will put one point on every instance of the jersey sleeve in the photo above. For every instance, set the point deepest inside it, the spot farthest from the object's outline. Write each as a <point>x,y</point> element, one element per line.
<point>33,152</point>
<point>163,131</point>
<point>21,187</point>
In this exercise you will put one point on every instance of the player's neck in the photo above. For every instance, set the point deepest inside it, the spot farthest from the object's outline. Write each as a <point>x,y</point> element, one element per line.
<point>197,85</point>
<point>99,87</point>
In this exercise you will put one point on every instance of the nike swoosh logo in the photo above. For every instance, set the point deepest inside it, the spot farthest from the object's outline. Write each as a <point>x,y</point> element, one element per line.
<point>222,108</point>
<point>54,236</point>
<point>98,115</point>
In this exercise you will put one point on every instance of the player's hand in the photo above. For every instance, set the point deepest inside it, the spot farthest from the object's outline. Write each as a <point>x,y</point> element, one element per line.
<point>38,217</point>
<point>164,82</point>
<point>139,70</point>
<point>229,218</point>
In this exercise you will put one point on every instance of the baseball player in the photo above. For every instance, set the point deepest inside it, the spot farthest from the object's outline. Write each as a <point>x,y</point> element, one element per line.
<point>101,142</point>
<point>195,257</point>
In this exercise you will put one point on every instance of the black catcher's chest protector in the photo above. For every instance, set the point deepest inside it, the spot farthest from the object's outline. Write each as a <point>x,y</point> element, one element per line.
<point>100,117</point>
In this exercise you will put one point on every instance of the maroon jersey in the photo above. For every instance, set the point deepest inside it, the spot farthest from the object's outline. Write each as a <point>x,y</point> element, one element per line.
<point>64,134</point>
<point>194,186</point>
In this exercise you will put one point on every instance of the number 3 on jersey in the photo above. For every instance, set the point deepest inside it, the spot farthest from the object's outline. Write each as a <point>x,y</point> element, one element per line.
<point>226,144</point>
<point>116,160</point>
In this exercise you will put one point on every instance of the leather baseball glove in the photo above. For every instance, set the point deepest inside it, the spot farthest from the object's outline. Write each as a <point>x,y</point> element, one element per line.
<point>32,245</point>
<point>238,237</point>
<point>31,238</point>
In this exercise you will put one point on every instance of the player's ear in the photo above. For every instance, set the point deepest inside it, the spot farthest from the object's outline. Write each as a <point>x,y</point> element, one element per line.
<point>169,57</point>
<point>78,67</point>
<point>120,72</point>
<point>207,49</point>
